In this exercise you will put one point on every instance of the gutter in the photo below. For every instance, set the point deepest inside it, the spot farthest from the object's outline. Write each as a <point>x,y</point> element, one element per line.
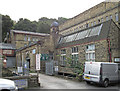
<point>110,59</point>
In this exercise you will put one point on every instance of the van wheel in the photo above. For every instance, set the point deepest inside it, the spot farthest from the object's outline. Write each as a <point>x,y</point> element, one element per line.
<point>87,82</point>
<point>106,83</point>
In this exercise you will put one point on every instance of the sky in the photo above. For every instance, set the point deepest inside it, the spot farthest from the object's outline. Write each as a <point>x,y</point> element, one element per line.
<point>35,9</point>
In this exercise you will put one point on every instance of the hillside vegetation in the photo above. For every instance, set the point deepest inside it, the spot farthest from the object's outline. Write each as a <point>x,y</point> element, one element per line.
<point>41,26</point>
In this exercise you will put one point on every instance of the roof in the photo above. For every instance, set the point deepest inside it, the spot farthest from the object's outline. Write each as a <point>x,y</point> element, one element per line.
<point>7,46</point>
<point>32,44</point>
<point>29,33</point>
<point>54,24</point>
<point>95,33</point>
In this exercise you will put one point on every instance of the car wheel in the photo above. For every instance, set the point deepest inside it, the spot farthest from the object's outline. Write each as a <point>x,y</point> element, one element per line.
<point>106,83</point>
<point>87,82</point>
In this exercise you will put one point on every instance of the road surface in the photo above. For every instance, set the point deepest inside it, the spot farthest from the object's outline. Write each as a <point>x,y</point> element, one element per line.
<point>52,82</point>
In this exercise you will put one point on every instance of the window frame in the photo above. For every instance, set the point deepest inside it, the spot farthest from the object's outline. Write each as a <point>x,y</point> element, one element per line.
<point>116,16</point>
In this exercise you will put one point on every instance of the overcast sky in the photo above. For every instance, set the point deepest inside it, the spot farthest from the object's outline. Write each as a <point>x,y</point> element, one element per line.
<point>35,9</point>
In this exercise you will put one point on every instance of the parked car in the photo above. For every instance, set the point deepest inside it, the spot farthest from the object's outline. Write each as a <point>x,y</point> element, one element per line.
<point>7,85</point>
<point>103,73</point>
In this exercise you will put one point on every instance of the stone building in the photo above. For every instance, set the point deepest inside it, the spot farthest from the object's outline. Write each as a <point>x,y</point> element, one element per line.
<point>44,46</point>
<point>95,15</point>
<point>90,36</point>
<point>93,35</point>
<point>7,51</point>
<point>99,43</point>
<point>24,38</point>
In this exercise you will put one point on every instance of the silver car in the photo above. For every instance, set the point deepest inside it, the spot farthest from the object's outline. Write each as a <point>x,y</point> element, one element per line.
<point>7,85</point>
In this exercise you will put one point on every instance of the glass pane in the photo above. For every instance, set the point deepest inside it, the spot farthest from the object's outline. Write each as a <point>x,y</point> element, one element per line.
<point>64,39</point>
<point>95,31</point>
<point>82,34</point>
<point>71,37</point>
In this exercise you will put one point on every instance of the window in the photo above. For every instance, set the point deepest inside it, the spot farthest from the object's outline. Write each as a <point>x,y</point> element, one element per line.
<point>107,18</point>
<point>95,31</point>
<point>74,56</point>
<point>74,49</point>
<point>74,59</point>
<point>71,37</point>
<point>62,60</point>
<point>82,34</point>
<point>36,39</point>
<point>33,39</point>
<point>98,20</point>
<point>28,38</point>
<point>90,56</point>
<point>63,57</point>
<point>94,22</point>
<point>110,16</point>
<point>63,51</point>
<point>101,19</point>
<point>25,44</point>
<point>34,51</point>
<point>90,47</point>
<point>76,29</point>
<point>87,25</point>
<point>90,52</point>
<point>91,23</point>
<point>25,38</point>
<point>116,16</point>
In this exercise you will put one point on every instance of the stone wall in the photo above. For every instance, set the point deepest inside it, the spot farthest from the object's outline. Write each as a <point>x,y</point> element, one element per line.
<point>32,80</point>
<point>19,39</point>
<point>114,38</point>
<point>101,53</point>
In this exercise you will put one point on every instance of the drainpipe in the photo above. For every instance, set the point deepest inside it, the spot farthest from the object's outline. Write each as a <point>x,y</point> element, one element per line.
<point>110,59</point>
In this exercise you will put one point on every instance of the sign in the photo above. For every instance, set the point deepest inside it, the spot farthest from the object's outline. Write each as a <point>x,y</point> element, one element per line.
<point>33,51</point>
<point>56,68</point>
<point>8,52</point>
<point>44,57</point>
<point>38,61</point>
<point>20,69</point>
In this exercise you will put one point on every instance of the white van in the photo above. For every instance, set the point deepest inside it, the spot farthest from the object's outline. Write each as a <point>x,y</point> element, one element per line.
<point>101,72</point>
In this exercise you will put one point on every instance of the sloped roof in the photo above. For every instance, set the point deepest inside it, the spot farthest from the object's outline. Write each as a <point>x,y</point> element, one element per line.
<point>103,34</point>
<point>7,46</point>
<point>30,33</point>
<point>31,44</point>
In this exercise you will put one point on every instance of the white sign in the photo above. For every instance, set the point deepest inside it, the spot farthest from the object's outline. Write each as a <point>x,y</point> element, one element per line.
<point>33,51</point>
<point>20,70</point>
<point>56,68</point>
<point>38,61</point>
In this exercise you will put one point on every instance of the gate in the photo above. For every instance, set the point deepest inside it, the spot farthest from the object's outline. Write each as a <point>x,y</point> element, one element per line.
<point>49,67</point>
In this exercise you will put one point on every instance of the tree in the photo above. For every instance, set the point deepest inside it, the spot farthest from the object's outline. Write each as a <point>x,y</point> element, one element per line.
<point>61,20</point>
<point>7,25</point>
<point>42,26</point>
<point>26,25</point>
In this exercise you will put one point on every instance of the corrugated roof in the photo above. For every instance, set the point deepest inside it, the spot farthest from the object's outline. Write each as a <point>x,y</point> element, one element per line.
<point>103,35</point>
<point>7,46</point>
<point>31,33</point>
